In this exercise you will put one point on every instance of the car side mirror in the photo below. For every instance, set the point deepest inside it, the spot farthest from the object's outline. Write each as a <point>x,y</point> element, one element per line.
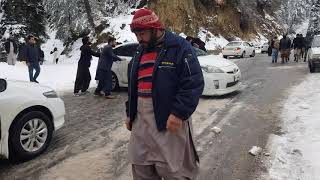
<point>3,85</point>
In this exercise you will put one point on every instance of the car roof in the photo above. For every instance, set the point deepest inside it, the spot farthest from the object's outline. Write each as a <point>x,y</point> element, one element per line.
<point>127,44</point>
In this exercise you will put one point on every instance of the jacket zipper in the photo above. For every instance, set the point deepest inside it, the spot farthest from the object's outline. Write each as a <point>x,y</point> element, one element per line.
<point>130,88</point>
<point>186,61</point>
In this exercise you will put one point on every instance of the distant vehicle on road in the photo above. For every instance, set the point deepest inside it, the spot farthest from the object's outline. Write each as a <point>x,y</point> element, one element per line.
<point>239,49</point>
<point>265,48</point>
<point>313,55</point>
<point>29,114</point>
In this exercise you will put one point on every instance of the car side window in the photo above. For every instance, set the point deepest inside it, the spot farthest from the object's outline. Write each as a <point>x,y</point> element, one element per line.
<point>127,50</point>
<point>119,51</point>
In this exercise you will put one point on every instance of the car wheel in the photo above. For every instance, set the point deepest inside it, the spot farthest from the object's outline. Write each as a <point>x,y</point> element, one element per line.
<point>253,54</point>
<point>115,82</point>
<point>30,135</point>
<point>311,68</point>
<point>226,57</point>
<point>243,54</point>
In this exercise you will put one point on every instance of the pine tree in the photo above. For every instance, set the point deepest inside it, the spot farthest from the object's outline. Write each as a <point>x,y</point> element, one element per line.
<point>22,18</point>
<point>314,26</point>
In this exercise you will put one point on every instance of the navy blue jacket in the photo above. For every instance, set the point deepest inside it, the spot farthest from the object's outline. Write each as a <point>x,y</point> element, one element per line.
<point>86,56</point>
<point>106,59</point>
<point>177,81</point>
<point>32,53</point>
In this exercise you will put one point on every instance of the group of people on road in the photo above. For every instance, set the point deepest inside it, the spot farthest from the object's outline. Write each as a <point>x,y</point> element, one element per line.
<point>103,73</point>
<point>300,46</point>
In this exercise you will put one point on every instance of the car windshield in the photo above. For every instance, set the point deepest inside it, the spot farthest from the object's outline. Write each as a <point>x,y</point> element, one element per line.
<point>234,44</point>
<point>316,42</point>
<point>200,52</point>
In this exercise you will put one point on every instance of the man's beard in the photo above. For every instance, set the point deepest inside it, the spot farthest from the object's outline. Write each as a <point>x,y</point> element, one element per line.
<point>153,40</point>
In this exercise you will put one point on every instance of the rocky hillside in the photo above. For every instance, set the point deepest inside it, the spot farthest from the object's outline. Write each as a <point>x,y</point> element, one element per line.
<point>246,19</point>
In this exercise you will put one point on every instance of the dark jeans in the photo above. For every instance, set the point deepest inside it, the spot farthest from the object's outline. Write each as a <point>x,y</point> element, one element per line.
<point>82,80</point>
<point>36,67</point>
<point>105,83</point>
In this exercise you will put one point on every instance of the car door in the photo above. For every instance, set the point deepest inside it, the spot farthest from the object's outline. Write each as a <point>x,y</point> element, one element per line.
<point>121,67</point>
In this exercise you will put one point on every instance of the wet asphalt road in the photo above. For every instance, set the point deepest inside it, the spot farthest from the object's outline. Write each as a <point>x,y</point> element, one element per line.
<point>92,144</point>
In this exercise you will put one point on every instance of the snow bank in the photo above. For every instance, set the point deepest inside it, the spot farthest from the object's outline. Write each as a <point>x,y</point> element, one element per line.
<point>212,42</point>
<point>296,154</point>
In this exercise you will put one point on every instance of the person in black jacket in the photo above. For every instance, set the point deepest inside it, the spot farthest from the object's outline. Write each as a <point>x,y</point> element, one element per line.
<point>83,73</point>
<point>165,85</point>
<point>32,56</point>
<point>104,73</point>
<point>11,48</point>
<point>285,47</point>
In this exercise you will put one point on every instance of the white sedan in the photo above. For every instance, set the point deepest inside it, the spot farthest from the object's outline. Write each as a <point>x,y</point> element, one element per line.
<point>313,55</point>
<point>29,113</point>
<point>238,49</point>
<point>221,75</point>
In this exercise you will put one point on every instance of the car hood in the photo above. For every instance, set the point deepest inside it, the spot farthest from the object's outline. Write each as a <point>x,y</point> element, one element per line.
<point>315,50</point>
<point>26,86</point>
<point>216,61</point>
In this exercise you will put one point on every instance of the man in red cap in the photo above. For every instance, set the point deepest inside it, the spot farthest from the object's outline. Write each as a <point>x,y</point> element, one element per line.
<point>165,84</point>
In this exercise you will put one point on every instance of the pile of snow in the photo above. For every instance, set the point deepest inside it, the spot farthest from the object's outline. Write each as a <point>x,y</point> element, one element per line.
<point>296,154</point>
<point>120,28</point>
<point>212,42</point>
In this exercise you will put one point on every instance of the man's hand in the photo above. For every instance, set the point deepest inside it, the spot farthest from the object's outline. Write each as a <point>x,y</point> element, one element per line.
<point>174,123</point>
<point>41,62</point>
<point>127,124</point>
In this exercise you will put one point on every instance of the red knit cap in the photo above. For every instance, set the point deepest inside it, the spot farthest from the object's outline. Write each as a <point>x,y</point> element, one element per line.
<point>145,19</point>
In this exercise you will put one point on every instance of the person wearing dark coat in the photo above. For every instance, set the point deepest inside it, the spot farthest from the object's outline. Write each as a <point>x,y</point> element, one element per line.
<point>83,73</point>
<point>307,44</point>
<point>285,47</point>
<point>104,73</point>
<point>32,56</point>
<point>11,48</point>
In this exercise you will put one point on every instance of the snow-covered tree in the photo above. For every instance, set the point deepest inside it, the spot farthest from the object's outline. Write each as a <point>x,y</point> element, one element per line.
<point>314,26</point>
<point>21,18</point>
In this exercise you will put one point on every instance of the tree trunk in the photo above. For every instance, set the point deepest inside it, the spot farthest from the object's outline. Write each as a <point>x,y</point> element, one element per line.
<point>89,14</point>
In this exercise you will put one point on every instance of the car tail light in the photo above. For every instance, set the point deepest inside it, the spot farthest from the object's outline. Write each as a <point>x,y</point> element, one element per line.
<point>237,49</point>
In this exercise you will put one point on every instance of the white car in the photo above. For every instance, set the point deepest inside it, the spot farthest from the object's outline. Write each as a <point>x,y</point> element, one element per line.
<point>265,48</point>
<point>313,55</point>
<point>29,114</point>
<point>238,49</point>
<point>221,75</point>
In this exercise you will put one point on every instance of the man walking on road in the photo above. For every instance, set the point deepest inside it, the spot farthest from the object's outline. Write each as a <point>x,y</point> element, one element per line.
<point>104,73</point>
<point>83,73</point>
<point>165,84</point>
<point>11,48</point>
<point>285,47</point>
<point>32,56</point>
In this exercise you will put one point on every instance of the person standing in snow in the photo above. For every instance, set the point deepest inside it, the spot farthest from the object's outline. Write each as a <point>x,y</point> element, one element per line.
<point>285,47</point>
<point>32,56</point>
<point>307,43</point>
<point>165,84</point>
<point>56,55</point>
<point>104,73</point>
<point>275,49</point>
<point>83,73</point>
<point>11,48</point>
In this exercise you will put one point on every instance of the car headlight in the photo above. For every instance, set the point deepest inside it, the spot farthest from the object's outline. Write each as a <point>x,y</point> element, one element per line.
<point>51,94</point>
<point>211,69</point>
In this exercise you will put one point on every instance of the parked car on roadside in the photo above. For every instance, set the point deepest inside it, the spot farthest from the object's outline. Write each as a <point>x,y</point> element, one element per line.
<point>221,76</point>
<point>313,55</point>
<point>239,49</point>
<point>265,48</point>
<point>29,115</point>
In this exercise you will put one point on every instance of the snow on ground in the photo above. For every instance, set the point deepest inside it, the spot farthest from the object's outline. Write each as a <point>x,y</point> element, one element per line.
<point>296,153</point>
<point>212,42</point>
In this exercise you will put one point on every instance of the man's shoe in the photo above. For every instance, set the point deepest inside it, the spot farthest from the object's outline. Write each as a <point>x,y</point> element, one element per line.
<point>97,94</point>
<point>36,81</point>
<point>110,97</point>
<point>84,93</point>
<point>76,94</point>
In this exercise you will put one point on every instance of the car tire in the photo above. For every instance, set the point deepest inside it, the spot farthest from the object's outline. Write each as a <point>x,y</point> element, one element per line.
<point>115,82</point>
<point>226,57</point>
<point>42,135</point>
<point>253,54</point>
<point>243,55</point>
